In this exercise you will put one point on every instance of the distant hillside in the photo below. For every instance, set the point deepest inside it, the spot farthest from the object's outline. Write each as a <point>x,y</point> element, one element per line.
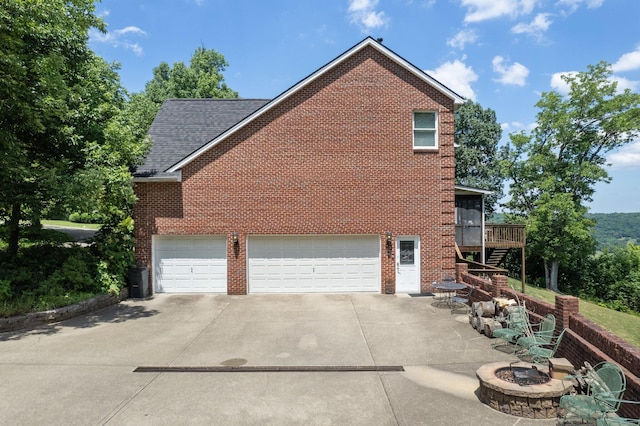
<point>616,229</point>
<point>612,229</point>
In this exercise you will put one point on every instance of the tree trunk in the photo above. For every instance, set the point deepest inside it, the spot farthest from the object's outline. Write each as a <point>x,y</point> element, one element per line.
<point>14,229</point>
<point>547,275</point>
<point>554,276</point>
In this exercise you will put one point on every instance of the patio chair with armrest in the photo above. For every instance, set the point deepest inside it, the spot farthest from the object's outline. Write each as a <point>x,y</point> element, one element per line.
<point>517,324</point>
<point>609,420</point>
<point>541,354</point>
<point>606,385</point>
<point>540,337</point>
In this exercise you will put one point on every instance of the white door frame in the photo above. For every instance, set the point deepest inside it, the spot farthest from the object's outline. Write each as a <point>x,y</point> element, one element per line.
<point>407,274</point>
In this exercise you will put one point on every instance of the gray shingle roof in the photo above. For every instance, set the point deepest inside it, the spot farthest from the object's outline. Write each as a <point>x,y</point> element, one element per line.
<point>184,125</point>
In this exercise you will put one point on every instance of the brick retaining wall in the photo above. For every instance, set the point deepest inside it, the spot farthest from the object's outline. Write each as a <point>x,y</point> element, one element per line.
<point>584,339</point>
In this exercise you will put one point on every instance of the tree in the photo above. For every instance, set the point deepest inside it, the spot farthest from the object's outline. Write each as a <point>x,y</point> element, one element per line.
<point>202,78</point>
<point>477,134</point>
<point>113,142</point>
<point>44,57</point>
<point>553,171</point>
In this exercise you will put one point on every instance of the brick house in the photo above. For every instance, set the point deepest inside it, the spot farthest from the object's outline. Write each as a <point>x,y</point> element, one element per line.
<point>343,183</point>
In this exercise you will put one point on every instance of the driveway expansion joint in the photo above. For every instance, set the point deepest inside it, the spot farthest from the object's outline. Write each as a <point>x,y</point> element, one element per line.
<point>269,369</point>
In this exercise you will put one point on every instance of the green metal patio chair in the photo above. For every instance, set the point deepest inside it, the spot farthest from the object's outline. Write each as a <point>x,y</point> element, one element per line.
<point>541,354</point>
<point>617,421</point>
<point>540,337</point>
<point>606,384</point>
<point>517,324</point>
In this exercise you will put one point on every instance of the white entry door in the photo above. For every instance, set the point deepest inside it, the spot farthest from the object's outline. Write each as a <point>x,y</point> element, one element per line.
<point>407,264</point>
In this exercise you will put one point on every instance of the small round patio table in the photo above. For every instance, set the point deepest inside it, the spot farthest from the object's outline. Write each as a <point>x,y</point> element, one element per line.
<point>449,289</point>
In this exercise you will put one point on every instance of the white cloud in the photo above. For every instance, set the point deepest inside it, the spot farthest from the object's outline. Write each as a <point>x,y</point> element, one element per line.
<point>627,157</point>
<point>482,10</point>
<point>517,126</point>
<point>512,125</point>
<point>573,5</point>
<point>461,38</point>
<point>363,13</point>
<point>457,76</point>
<point>628,62</point>
<point>624,83</point>
<point>515,74</point>
<point>120,38</point>
<point>558,83</point>
<point>535,28</point>
<point>129,30</point>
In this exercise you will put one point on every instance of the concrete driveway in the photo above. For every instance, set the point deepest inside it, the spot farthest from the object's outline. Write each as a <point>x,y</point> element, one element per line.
<point>81,371</point>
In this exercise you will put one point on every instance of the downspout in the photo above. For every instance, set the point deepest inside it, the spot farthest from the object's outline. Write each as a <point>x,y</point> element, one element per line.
<point>482,253</point>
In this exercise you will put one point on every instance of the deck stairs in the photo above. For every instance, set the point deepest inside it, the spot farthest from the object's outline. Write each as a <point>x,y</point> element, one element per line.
<point>497,256</point>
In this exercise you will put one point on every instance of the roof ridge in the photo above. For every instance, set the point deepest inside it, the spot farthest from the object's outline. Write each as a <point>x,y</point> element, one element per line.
<point>217,99</point>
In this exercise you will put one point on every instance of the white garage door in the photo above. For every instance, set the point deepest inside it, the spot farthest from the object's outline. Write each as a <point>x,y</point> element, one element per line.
<point>319,264</point>
<point>190,264</point>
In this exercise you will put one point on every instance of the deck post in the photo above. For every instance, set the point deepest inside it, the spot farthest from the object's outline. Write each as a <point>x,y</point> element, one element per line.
<point>522,273</point>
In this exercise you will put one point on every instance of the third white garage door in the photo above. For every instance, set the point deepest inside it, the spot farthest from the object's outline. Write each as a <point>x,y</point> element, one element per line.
<point>318,264</point>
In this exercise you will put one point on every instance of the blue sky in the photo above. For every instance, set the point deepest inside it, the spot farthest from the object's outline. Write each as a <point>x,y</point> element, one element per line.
<point>500,53</point>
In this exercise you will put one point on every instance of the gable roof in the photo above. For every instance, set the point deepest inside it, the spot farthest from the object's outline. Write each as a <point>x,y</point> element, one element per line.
<point>184,125</point>
<point>158,162</point>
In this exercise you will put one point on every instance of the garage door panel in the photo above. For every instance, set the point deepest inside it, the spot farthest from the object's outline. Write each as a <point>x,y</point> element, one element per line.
<point>300,264</point>
<point>190,264</point>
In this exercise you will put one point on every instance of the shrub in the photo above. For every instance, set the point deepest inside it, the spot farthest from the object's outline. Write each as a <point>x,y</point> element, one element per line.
<point>47,270</point>
<point>77,274</point>
<point>115,249</point>
<point>5,290</point>
<point>93,217</point>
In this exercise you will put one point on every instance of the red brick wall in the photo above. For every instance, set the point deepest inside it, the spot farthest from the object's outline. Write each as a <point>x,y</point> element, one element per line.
<point>154,200</point>
<point>334,158</point>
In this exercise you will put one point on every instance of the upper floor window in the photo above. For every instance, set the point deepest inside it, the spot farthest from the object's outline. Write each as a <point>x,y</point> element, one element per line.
<point>425,135</point>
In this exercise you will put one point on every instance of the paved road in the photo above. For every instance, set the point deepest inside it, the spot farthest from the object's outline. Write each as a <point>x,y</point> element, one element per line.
<point>77,234</point>
<point>81,372</point>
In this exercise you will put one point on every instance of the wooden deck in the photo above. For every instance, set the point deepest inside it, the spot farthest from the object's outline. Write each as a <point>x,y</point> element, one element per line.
<point>503,235</point>
<point>497,235</point>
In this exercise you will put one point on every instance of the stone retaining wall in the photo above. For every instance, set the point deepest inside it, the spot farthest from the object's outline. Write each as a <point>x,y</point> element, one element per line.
<point>55,315</point>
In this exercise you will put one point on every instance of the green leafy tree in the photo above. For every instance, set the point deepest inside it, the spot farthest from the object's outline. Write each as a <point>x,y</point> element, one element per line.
<point>554,170</point>
<point>202,78</point>
<point>44,57</point>
<point>69,136</point>
<point>477,134</point>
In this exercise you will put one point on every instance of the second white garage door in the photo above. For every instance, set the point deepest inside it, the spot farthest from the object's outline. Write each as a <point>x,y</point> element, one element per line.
<point>318,264</point>
<point>190,264</point>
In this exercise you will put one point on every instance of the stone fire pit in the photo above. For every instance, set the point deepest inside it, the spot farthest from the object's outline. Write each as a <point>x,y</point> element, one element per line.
<point>539,401</point>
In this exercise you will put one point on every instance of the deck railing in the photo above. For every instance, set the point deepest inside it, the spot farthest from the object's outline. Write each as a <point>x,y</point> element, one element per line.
<point>504,235</point>
<point>497,235</point>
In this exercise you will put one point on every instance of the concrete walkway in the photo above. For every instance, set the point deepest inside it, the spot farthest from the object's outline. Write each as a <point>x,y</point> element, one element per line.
<point>81,371</point>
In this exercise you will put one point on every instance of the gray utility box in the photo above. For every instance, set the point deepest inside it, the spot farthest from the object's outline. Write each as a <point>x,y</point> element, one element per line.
<point>138,283</point>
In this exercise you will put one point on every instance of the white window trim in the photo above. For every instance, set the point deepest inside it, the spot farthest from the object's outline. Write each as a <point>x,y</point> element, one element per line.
<point>413,134</point>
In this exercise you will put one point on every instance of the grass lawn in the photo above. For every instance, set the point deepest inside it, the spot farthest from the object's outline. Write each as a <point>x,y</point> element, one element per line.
<point>68,224</point>
<point>626,326</point>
